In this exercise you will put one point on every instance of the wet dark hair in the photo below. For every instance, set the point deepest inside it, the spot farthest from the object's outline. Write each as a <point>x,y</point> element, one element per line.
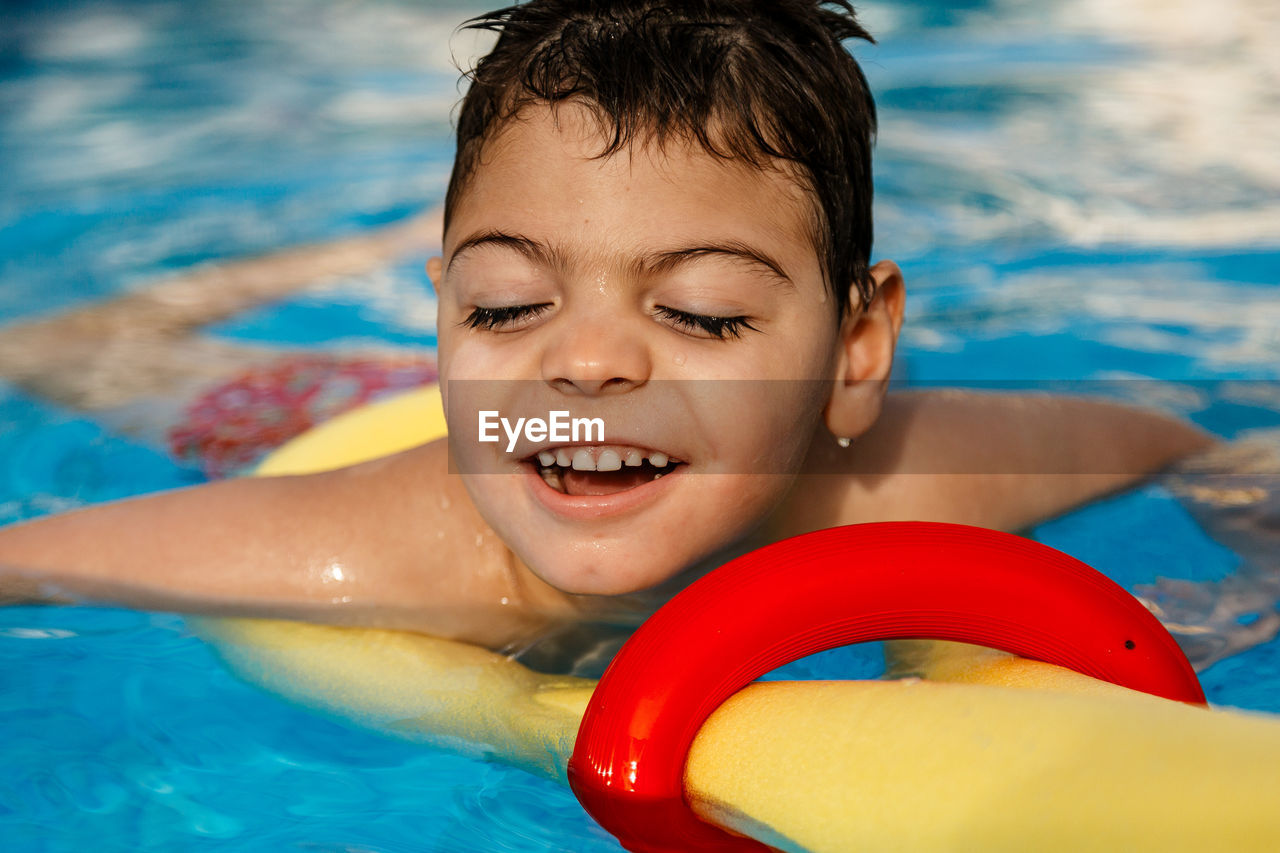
<point>752,80</point>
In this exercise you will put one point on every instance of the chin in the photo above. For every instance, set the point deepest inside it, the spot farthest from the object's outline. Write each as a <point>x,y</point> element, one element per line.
<point>603,574</point>
<point>625,541</point>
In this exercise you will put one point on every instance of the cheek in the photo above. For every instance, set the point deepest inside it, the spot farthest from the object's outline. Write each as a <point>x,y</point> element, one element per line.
<point>792,351</point>
<point>465,354</point>
<point>817,346</point>
<point>496,497</point>
<point>452,356</point>
<point>745,499</point>
<point>487,499</point>
<point>460,358</point>
<point>765,426</point>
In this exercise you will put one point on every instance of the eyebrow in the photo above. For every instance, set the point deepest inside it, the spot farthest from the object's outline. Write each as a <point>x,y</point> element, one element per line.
<point>668,260</point>
<point>533,250</point>
<point>652,263</point>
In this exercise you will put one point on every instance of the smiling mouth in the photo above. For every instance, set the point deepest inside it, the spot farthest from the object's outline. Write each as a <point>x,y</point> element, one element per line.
<point>600,469</point>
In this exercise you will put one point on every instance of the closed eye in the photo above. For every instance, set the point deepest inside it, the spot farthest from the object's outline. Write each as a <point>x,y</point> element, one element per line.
<point>716,327</point>
<point>494,319</point>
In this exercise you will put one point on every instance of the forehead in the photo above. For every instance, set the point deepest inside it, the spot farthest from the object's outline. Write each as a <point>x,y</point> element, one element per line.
<point>541,175</point>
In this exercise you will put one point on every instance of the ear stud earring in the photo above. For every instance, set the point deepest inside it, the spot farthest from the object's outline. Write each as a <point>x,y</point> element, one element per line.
<point>843,442</point>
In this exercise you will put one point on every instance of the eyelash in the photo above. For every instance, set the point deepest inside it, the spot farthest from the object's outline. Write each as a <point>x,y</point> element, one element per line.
<point>492,319</point>
<point>721,328</point>
<point>718,327</point>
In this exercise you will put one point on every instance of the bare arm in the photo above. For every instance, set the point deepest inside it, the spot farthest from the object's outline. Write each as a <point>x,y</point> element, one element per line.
<point>212,292</point>
<point>369,545</point>
<point>1004,461</point>
<point>108,354</point>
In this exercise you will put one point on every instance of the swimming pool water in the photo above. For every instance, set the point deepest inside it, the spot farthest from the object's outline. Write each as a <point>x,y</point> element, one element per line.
<point>1050,176</point>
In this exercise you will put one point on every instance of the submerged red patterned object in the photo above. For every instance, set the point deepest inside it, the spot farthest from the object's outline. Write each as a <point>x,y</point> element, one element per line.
<point>881,581</point>
<point>232,426</point>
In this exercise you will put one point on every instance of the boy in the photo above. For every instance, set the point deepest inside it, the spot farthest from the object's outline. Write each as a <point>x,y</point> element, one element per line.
<point>659,214</point>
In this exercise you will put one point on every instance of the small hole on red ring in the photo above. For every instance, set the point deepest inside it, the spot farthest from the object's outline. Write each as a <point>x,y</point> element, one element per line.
<point>1129,644</point>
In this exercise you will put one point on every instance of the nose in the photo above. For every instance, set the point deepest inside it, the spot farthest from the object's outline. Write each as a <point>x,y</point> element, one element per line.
<point>592,359</point>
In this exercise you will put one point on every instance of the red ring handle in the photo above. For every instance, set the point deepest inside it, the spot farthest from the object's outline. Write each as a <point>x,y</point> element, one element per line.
<point>881,581</point>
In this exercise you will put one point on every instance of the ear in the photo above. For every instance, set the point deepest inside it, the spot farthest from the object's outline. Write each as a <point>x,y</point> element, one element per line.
<point>868,338</point>
<point>435,272</point>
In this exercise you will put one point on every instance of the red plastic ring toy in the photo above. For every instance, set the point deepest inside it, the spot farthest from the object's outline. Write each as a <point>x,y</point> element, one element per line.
<point>881,581</point>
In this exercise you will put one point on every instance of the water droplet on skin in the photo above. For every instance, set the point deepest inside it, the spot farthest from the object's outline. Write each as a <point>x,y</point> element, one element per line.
<point>504,600</point>
<point>479,540</point>
<point>445,503</point>
<point>679,359</point>
<point>332,572</point>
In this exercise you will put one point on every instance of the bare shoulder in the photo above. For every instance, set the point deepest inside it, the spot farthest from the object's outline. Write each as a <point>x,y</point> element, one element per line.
<point>433,558</point>
<point>999,460</point>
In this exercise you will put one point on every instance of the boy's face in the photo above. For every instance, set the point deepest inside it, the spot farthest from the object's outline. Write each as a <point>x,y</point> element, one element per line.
<point>590,281</point>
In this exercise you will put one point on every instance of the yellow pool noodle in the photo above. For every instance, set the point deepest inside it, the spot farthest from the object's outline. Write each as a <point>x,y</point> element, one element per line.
<point>964,749</point>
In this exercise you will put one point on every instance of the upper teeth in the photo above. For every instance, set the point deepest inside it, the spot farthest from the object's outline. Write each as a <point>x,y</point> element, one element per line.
<point>599,458</point>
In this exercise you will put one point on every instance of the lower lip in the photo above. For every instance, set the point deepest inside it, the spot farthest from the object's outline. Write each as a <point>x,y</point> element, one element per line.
<point>581,507</point>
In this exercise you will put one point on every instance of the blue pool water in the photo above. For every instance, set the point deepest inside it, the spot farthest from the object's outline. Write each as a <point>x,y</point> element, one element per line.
<point>1069,192</point>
